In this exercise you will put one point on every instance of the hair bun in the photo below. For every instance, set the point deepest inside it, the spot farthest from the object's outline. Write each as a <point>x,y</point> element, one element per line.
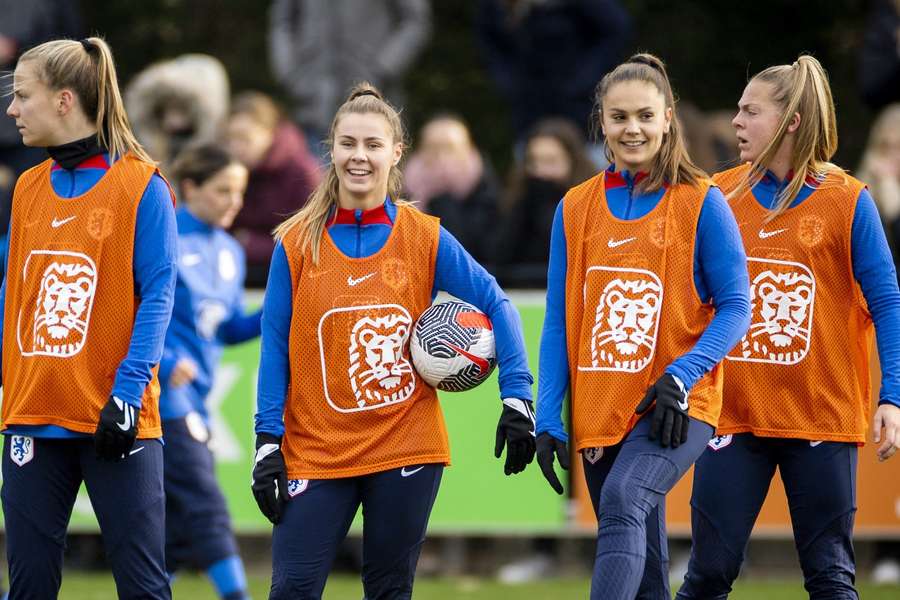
<point>650,60</point>
<point>364,89</point>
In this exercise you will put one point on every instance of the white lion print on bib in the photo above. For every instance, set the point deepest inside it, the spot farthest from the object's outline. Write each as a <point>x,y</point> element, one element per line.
<point>61,313</point>
<point>782,297</point>
<point>626,317</point>
<point>379,371</point>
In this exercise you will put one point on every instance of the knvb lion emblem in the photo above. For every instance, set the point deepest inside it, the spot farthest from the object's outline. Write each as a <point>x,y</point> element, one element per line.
<point>782,295</point>
<point>378,369</point>
<point>21,449</point>
<point>62,309</point>
<point>626,317</point>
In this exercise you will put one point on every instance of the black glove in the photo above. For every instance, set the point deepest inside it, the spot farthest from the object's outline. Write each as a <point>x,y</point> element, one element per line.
<point>269,477</point>
<point>116,430</point>
<point>516,430</point>
<point>547,446</point>
<point>670,418</point>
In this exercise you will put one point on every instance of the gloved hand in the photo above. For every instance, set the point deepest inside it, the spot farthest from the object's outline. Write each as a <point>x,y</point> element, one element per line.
<point>670,418</point>
<point>269,477</point>
<point>547,446</point>
<point>116,430</point>
<point>516,430</point>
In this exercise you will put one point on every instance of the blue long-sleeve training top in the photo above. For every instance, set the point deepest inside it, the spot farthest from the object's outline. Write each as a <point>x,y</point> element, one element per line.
<point>154,265</point>
<point>208,312</point>
<point>360,234</point>
<point>720,276</point>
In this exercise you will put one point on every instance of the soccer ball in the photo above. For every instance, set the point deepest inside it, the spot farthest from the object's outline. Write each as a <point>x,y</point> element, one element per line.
<point>452,346</point>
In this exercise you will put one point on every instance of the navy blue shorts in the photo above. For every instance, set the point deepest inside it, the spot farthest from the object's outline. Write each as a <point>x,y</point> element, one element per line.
<point>41,478</point>
<point>198,527</point>
<point>396,505</point>
<point>731,481</point>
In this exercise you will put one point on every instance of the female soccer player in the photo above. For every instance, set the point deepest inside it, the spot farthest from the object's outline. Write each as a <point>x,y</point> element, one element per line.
<point>647,291</point>
<point>208,314</point>
<point>342,418</point>
<point>796,393</point>
<point>88,296</point>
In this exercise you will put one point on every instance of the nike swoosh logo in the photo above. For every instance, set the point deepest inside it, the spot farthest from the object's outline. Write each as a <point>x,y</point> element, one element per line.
<point>683,404</point>
<point>616,243</point>
<point>483,365</point>
<point>189,260</point>
<point>814,444</point>
<point>763,234</point>
<point>351,282</point>
<point>136,450</point>
<point>405,473</point>
<point>60,222</point>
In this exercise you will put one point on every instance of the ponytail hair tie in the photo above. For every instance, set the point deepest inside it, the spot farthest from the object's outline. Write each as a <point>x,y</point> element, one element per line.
<point>87,45</point>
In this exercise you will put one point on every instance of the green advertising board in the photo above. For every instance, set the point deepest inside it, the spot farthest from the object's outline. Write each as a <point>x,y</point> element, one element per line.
<point>475,496</point>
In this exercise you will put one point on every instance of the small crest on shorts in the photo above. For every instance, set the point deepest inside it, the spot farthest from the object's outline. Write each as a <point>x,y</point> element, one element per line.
<point>21,449</point>
<point>297,487</point>
<point>720,441</point>
<point>592,455</point>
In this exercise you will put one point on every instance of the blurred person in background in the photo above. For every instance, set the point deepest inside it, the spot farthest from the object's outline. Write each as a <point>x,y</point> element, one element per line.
<point>282,175</point>
<point>449,177</point>
<point>178,103</point>
<point>342,419</point>
<point>93,247</point>
<point>879,58</point>
<point>797,389</point>
<point>208,314</point>
<point>319,48</point>
<point>546,56</point>
<point>555,160</point>
<point>646,292</point>
<point>880,170</point>
<point>23,25</point>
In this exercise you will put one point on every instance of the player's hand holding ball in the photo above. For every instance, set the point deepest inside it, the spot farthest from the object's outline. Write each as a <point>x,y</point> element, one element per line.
<point>269,477</point>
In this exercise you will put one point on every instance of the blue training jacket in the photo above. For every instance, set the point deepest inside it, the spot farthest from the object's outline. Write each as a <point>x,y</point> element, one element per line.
<point>208,312</point>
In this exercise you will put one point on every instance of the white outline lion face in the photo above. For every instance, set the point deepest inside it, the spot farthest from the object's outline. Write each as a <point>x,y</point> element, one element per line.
<point>380,369</point>
<point>61,314</point>
<point>623,332</point>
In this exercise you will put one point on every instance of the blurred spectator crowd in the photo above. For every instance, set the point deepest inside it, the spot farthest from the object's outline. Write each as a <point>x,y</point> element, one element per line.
<point>543,56</point>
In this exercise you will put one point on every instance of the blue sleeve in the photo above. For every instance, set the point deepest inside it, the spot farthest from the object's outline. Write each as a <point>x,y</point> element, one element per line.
<point>170,358</point>
<point>553,374</point>
<point>241,327</point>
<point>274,368</point>
<point>5,248</point>
<point>155,271</point>
<point>873,268</point>
<point>723,265</point>
<point>460,275</point>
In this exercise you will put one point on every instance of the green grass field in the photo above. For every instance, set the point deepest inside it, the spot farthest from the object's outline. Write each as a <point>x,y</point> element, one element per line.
<point>99,586</point>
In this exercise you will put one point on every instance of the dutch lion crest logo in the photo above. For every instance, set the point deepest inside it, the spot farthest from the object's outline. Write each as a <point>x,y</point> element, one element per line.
<point>62,309</point>
<point>782,295</point>
<point>623,337</point>
<point>21,449</point>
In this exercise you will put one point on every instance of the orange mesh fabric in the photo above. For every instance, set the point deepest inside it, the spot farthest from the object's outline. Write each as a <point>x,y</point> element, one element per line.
<point>802,369</point>
<point>355,405</point>
<point>631,307</point>
<point>70,300</point>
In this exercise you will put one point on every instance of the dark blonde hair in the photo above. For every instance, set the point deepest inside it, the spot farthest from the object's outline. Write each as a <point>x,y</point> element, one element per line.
<point>799,88</point>
<point>257,106</point>
<point>672,164</point>
<point>364,98</point>
<point>87,68</point>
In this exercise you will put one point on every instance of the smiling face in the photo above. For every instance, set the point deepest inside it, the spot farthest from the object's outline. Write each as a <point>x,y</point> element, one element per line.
<point>34,108</point>
<point>218,200</point>
<point>635,122</point>
<point>363,152</point>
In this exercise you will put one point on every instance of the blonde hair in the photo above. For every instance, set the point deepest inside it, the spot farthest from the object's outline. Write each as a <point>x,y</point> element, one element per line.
<point>801,87</point>
<point>87,68</point>
<point>364,98</point>
<point>672,163</point>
